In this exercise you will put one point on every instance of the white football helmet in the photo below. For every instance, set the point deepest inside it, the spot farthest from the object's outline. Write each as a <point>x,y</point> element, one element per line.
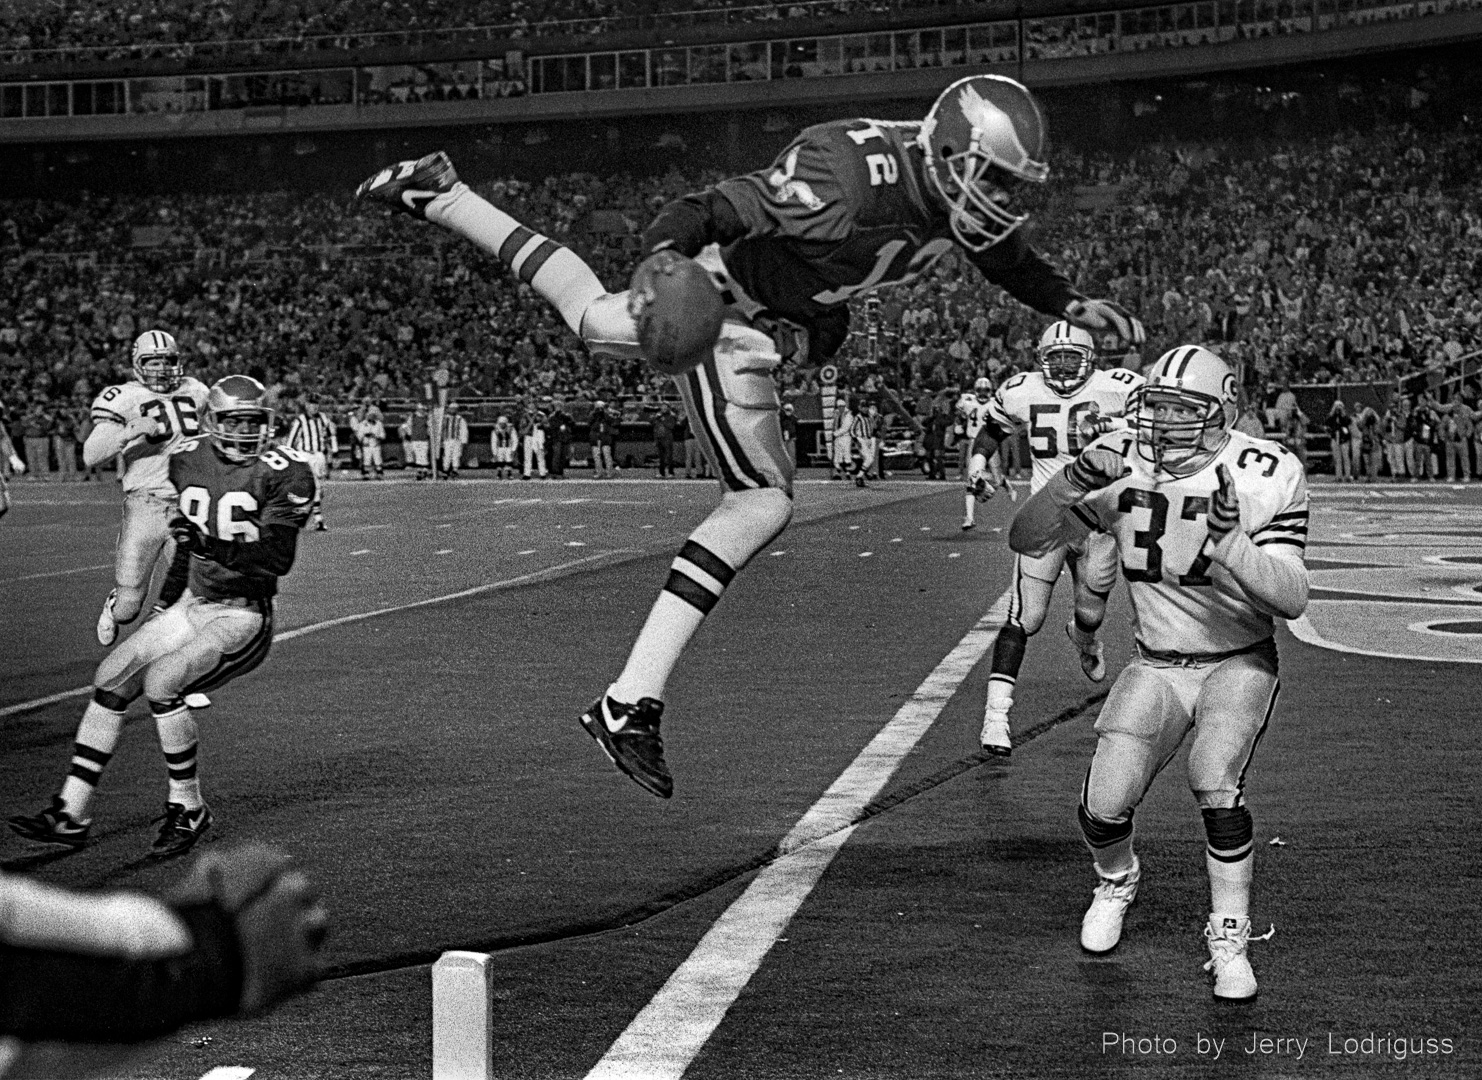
<point>1067,356</point>
<point>238,419</point>
<point>983,388</point>
<point>984,133</point>
<point>156,361</point>
<point>1183,415</point>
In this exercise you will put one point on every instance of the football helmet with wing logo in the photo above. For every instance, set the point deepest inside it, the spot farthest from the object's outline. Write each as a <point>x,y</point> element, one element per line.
<point>983,135</point>
<point>1183,415</point>
<point>238,418</point>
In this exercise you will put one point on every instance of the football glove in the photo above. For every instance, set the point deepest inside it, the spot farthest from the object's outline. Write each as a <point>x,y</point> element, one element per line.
<point>279,922</point>
<point>142,427</point>
<point>1106,316</point>
<point>1095,468</point>
<point>186,534</point>
<point>16,464</point>
<point>1224,507</point>
<point>1093,424</point>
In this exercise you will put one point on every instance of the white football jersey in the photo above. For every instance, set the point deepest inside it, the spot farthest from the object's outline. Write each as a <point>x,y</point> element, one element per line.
<point>1053,421</point>
<point>180,414</point>
<point>972,411</point>
<point>1181,601</point>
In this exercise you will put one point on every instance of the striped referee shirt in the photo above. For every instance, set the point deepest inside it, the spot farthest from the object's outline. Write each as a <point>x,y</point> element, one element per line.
<point>312,434</point>
<point>865,426</point>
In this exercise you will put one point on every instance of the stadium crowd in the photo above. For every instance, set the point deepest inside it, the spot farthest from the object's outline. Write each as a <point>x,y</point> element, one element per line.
<point>1354,258</point>
<point>179,28</point>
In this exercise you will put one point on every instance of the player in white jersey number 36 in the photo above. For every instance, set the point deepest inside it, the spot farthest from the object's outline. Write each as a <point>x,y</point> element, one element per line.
<point>1210,526</point>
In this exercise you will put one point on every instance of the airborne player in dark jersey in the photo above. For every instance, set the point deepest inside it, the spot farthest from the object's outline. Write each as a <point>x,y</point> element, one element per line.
<point>240,507</point>
<point>848,207</point>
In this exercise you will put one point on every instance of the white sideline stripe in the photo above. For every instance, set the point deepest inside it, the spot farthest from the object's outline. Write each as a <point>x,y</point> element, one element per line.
<point>313,628</point>
<point>228,1072</point>
<point>664,1038</point>
<point>56,573</point>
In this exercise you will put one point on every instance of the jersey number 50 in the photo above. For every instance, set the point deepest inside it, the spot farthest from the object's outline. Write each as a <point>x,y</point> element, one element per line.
<point>195,503</point>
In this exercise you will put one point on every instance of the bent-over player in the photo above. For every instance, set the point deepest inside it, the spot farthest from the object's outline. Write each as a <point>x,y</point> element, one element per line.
<point>1211,528</point>
<point>240,504</point>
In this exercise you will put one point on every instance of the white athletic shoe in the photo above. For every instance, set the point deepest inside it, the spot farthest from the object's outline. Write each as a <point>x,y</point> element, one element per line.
<point>197,701</point>
<point>995,735</point>
<point>1101,928</point>
<point>107,624</point>
<point>1093,663</point>
<point>1228,936</point>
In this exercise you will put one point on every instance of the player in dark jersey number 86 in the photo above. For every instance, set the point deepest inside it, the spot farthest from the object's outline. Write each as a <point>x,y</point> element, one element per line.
<point>241,505</point>
<point>847,207</point>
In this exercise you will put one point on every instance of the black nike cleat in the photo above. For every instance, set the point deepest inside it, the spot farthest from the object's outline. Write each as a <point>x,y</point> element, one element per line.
<point>629,736</point>
<point>52,826</point>
<point>409,186</point>
<point>181,830</point>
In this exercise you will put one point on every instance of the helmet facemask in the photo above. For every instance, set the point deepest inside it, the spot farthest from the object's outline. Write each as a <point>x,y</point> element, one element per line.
<point>977,194</point>
<point>1066,367</point>
<point>240,434</point>
<point>1178,431</point>
<point>161,372</point>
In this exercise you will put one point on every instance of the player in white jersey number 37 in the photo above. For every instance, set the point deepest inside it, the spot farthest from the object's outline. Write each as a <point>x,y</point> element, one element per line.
<point>1210,526</point>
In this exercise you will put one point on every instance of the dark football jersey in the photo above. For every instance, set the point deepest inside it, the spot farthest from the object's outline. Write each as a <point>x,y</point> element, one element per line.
<point>843,210</point>
<point>231,500</point>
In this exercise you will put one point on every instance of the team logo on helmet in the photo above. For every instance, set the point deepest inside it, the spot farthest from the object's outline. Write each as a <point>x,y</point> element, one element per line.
<point>156,360</point>
<point>983,133</point>
<point>1067,356</point>
<point>238,419</point>
<point>1183,415</point>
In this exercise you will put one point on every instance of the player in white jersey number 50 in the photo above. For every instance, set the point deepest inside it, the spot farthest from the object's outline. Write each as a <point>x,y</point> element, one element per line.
<point>141,422</point>
<point>1210,527</point>
<point>1063,405</point>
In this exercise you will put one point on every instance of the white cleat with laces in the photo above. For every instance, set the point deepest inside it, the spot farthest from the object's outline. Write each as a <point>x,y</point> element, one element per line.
<point>995,737</point>
<point>1228,936</point>
<point>1101,928</point>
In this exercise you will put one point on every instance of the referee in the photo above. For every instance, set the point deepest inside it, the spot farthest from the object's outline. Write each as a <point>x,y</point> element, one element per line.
<point>312,434</point>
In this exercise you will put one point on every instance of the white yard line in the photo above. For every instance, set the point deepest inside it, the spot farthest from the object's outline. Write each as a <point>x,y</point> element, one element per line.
<point>56,573</point>
<point>314,628</point>
<point>664,1038</point>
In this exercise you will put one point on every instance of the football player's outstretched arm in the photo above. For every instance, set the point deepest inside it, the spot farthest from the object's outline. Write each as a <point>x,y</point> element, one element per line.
<point>110,438</point>
<point>1269,569</point>
<point>1053,515</point>
<point>691,223</point>
<point>1026,275</point>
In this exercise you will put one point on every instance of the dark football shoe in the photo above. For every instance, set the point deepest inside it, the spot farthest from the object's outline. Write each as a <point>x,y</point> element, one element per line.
<point>52,826</point>
<point>629,736</point>
<point>409,186</point>
<point>181,830</point>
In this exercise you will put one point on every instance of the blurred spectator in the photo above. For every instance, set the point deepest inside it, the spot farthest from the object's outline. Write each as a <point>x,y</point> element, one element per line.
<point>1295,436</point>
<point>1456,433</point>
<point>843,429</point>
<point>1366,443</point>
<point>64,443</point>
<point>664,439</point>
<point>1392,430</point>
<point>369,428</point>
<point>789,422</point>
<point>1339,441</point>
<point>35,428</point>
<point>1419,432</point>
<point>416,442</point>
<point>559,431</point>
<point>503,440</point>
<point>532,436</point>
<point>1249,421</point>
<point>602,436</point>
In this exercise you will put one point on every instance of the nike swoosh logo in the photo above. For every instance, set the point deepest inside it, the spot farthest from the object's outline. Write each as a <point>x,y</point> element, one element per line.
<point>298,500</point>
<point>607,720</point>
<point>418,200</point>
